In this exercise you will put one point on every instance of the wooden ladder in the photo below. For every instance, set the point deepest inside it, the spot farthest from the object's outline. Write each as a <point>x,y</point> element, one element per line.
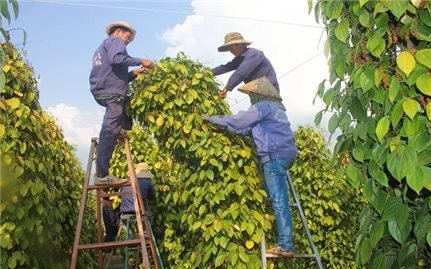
<point>315,255</point>
<point>141,216</point>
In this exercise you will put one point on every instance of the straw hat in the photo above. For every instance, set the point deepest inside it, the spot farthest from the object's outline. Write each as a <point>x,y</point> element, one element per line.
<point>233,38</point>
<point>142,171</point>
<point>261,86</point>
<point>122,24</point>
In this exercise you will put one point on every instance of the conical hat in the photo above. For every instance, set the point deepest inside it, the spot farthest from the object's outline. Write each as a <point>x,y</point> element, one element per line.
<point>261,86</point>
<point>142,171</point>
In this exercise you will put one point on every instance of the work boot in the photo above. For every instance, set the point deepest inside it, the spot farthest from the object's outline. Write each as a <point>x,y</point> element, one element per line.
<point>109,181</point>
<point>277,250</point>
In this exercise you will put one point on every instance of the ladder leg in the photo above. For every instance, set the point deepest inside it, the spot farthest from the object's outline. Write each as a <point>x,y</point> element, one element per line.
<point>82,205</point>
<point>157,250</point>
<point>138,203</point>
<point>263,252</point>
<point>99,228</point>
<point>304,223</point>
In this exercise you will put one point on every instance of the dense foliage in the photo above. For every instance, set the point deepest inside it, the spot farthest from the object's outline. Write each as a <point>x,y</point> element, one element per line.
<point>330,204</point>
<point>211,200</point>
<point>41,179</point>
<point>379,91</point>
<point>209,184</point>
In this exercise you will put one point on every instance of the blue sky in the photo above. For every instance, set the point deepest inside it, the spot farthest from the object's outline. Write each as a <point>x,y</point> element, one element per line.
<point>61,39</point>
<point>62,36</point>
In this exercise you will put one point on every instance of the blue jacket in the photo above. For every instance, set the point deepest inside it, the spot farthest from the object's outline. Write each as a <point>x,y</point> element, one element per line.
<point>147,193</point>
<point>250,65</point>
<point>269,126</point>
<point>110,72</point>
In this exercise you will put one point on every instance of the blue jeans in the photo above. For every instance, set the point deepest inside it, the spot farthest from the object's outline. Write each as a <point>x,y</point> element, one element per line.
<point>114,119</point>
<point>275,173</point>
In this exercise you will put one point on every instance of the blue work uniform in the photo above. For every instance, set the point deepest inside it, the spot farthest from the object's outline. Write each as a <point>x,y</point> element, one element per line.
<point>269,126</point>
<point>109,78</point>
<point>250,65</point>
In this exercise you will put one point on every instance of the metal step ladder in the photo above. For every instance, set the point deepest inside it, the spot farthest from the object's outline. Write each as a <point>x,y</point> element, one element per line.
<point>143,223</point>
<point>126,223</point>
<point>315,255</point>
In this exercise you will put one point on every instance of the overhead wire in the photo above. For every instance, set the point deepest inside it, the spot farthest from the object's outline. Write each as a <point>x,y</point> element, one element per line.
<point>177,12</point>
<point>195,14</point>
<point>285,74</point>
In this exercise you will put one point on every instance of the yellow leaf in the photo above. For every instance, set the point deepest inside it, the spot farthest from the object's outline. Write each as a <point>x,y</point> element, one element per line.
<point>45,117</point>
<point>410,107</point>
<point>406,62</point>
<point>336,207</point>
<point>362,2</point>
<point>187,129</point>
<point>6,68</point>
<point>249,244</point>
<point>151,118</point>
<point>416,2</point>
<point>159,121</point>
<point>2,130</point>
<point>177,125</point>
<point>13,103</point>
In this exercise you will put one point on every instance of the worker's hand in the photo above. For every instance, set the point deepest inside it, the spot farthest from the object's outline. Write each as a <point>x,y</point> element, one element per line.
<point>223,93</point>
<point>148,63</point>
<point>141,70</point>
<point>205,117</point>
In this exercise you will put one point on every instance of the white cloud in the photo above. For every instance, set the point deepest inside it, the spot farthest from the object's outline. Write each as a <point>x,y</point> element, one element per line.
<point>287,45</point>
<point>78,126</point>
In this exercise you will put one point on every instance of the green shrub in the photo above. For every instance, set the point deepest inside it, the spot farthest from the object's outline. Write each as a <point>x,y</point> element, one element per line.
<point>41,178</point>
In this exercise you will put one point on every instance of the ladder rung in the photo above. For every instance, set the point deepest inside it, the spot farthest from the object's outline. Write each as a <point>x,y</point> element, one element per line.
<point>95,187</point>
<point>113,244</point>
<point>294,256</point>
<point>293,205</point>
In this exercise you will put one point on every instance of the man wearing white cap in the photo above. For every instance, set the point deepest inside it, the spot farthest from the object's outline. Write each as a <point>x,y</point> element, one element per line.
<point>249,63</point>
<point>109,79</point>
<point>267,123</point>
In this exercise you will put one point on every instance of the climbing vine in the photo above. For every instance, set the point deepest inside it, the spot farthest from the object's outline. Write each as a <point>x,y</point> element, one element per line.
<point>211,201</point>
<point>41,178</point>
<point>379,93</point>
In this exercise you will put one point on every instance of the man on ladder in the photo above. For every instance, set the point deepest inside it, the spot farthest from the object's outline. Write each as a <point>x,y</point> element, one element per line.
<point>108,83</point>
<point>266,121</point>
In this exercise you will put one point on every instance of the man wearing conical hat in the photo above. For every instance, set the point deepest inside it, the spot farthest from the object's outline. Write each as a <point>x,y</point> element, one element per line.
<point>146,187</point>
<point>249,63</point>
<point>109,79</point>
<point>267,123</point>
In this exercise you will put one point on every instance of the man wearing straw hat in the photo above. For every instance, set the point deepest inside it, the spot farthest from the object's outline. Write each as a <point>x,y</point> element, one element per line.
<point>249,63</point>
<point>146,187</point>
<point>267,123</point>
<point>109,79</point>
